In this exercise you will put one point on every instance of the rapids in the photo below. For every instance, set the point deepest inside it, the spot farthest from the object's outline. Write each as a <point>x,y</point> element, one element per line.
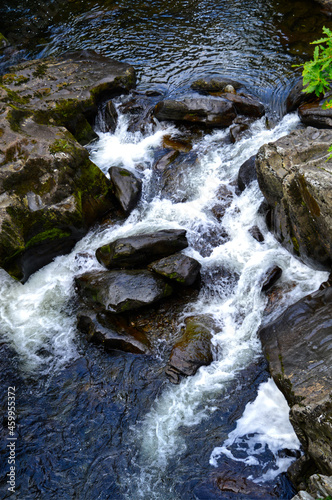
<point>98,425</point>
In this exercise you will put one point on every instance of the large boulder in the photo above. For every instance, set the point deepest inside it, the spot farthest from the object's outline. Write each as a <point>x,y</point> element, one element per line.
<point>210,112</point>
<point>298,347</point>
<point>294,174</point>
<point>193,350</point>
<point>121,290</point>
<point>66,91</point>
<point>50,192</point>
<point>136,251</point>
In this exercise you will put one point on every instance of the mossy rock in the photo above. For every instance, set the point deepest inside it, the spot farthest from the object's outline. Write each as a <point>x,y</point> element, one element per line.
<point>66,91</point>
<point>50,193</point>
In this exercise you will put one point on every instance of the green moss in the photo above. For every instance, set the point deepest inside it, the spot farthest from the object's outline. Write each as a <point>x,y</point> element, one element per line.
<point>48,235</point>
<point>59,146</point>
<point>14,97</point>
<point>296,245</point>
<point>16,116</point>
<point>42,92</point>
<point>10,78</point>
<point>40,70</point>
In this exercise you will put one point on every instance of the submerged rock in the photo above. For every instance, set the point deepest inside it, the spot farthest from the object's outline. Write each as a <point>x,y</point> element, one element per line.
<point>121,290</point>
<point>127,187</point>
<point>295,178</point>
<point>298,347</point>
<point>177,267</point>
<point>210,112</point>
<point>135,251</point>
<point>177,182</point>
<point>217,84</point>
<point>256,234</point>
<point>112,332</point>
<point>192,350</point>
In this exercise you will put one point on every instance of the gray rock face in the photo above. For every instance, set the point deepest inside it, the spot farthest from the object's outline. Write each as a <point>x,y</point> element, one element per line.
<point>296,180</point>
<point>121,290</point>
<point>127,187</point>
<point>205,111</point>
<point>177,267</point>
<point>298,346</point>
<point>135,251</point>
<point>192,350</point>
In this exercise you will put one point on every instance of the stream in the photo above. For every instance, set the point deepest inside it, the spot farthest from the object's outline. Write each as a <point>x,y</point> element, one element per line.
<point>97,425</point>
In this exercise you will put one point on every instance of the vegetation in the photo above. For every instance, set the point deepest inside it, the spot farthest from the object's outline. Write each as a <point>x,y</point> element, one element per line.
<point>317,73</point>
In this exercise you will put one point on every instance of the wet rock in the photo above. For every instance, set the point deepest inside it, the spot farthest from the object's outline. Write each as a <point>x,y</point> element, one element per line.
<point>135,251</point>
<point>178,267</point>
<point>298,347</point>
<point>217,84</point>
<point>193,349</point>
<point>210,112</point>
<point>177,182</point>
<point>246,105</point>
<point>235,481</point>
<point>236,131</point>
<point>66,91</point>
<point>247,173</point>
<point>295,178</point>
<point>314,115</point>
<point>110,117</point>
<point>50,192</point>
<point>300,470</point>
<point>121,290</point>
<point>296,96</point>
<point>226,197</point>
<point>165,160</point>
<point>230,89</point>
<point>326,6</point>
<point>112,332</point>
<point>138,108</point>
<point>271,277</point>
<point>177,143</point>
<point>256,234</point>
<point>127,187</point>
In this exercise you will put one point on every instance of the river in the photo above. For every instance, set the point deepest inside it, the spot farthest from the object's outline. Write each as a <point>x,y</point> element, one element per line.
<point>109,425</point>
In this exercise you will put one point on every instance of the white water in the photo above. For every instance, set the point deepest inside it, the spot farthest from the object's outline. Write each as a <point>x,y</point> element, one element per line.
<point>36,315</point>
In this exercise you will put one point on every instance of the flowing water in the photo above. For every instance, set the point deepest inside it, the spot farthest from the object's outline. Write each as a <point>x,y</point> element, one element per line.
<point>109,425</point>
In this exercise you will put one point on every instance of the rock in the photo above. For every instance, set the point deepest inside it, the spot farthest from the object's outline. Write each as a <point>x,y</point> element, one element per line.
<point>246,105</point>
<point>256,234</point>
<point>298,347</point>
<point>247,173</point>
<point>177,182</point>
<point>177,267</point>
<point>112,332</point>
<point>177,143</point>
<point>314,115</point>
<point>50,193</point>
<point>121,290</point>
<point>236,131</point>
<point>127,187</point>
<point>110,118</point>
<point>300,470</point>
<point>226,197</point>
<point>165,160</point>
<point>210,112</point>
<point>320,485</point>
<point>217,84</point>
<point>193,349</point>
<point>135,251</point>
<point>230,89</point>
<point>295,178</point>
<point>326,6</point>
<point>303,495</point>
<point>271,277</point>
<point>296,96</point>
<point>66,91</point>
<point>138,108</point>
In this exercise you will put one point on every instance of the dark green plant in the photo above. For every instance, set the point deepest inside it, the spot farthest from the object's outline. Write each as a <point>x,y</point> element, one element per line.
<point>317,73</point>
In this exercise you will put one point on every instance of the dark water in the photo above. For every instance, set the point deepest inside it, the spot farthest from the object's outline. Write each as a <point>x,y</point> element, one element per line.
<point>75,424</point>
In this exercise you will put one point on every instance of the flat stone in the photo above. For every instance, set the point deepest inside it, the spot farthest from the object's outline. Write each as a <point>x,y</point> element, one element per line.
<point>177,267</point>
